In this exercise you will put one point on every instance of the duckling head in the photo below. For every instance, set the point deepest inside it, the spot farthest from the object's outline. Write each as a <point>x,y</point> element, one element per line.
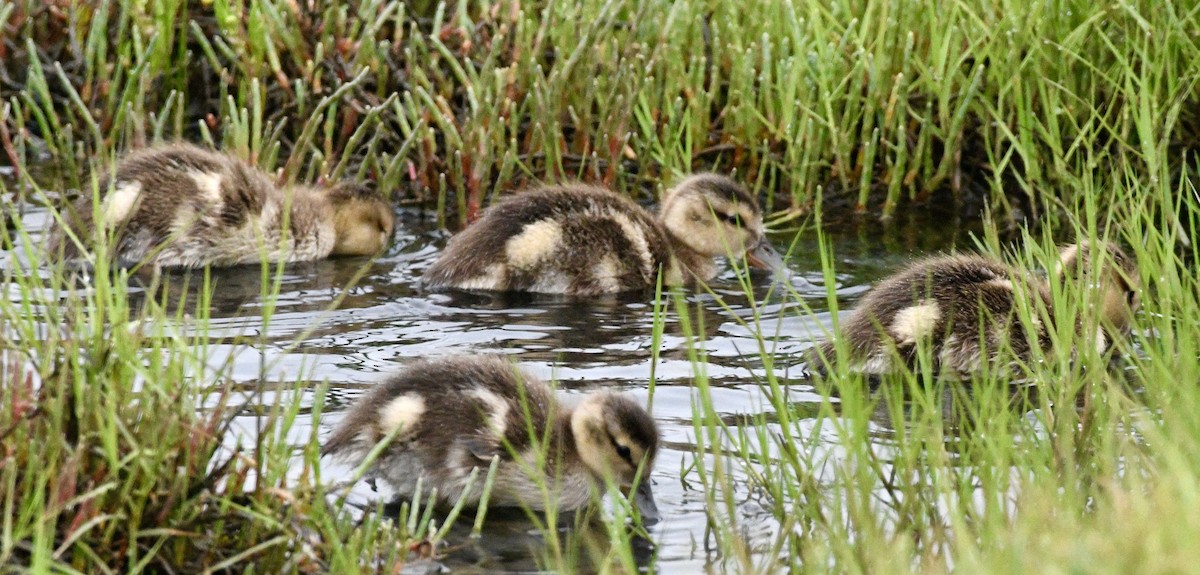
<point>362,220</point>
<point>1116,280</point>
<point>713,215</point>
<point>615,439</point>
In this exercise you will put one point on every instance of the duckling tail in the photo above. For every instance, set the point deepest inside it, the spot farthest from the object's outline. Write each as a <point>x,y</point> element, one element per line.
<point>339,441</point>
<point>819,359</point>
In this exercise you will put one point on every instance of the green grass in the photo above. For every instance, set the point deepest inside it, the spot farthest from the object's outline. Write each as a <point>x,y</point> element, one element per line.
<point>1050,119</point>
<point>1071,466</point>
<point>870,105</point>
<point>116,456</point>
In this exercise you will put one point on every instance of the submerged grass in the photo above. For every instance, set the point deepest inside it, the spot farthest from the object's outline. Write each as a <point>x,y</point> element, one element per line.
<point>1083,116</point>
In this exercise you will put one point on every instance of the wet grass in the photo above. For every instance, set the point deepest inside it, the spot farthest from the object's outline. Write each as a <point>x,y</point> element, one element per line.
<point>1082,462</point>
<point>1050,119</point>
<point>118,454</point>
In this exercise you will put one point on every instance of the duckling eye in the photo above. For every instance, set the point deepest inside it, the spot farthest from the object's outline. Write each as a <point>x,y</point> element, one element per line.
<point>625,454</point>
<point>622,450</point>
<point>732,219</point>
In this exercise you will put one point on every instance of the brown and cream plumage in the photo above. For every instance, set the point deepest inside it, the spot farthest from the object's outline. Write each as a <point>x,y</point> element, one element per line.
<point>452,415</point>
<point>1114,285</point>
<point>584,240</point>
<point>964,309</point>
<point>179,205</point>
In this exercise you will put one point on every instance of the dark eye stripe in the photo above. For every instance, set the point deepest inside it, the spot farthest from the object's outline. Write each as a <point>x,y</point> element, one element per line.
<point>622,450</point>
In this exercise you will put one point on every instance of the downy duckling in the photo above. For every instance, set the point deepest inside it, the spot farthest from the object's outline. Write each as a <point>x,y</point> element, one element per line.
<point>453,415</point>
<point>964,308</point>
<point>1115,291</point>
<point>583,240</point>
<point>179,205</point>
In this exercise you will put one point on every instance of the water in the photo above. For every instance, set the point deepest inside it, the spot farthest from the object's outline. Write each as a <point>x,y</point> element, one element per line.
<point>386,321</point>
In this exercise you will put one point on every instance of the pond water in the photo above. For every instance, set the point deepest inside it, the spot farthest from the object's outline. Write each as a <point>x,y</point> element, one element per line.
<point>386,321</point>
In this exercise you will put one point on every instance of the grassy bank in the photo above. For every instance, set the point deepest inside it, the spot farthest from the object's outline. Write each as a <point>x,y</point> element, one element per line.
<point>1081,117</point>
<point>871,105</point>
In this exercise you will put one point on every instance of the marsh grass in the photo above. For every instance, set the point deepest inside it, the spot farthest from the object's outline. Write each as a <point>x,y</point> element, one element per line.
<point>1078,118</point>
<point>119,448</point>
<point>867,105</point>
<point>1077,462</point>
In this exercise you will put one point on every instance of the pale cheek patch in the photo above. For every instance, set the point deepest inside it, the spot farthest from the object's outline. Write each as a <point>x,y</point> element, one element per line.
<point>705,235</point>
<point>1116,307</point>
<point>120,203</point>
<point>684,217</point>
<point>751,227</point>
<point>401,413</point>
<point>585,422</point>
<point>916,322</point>
<point>209,185</point>
<point>537,241</point>
<point>360,242</point>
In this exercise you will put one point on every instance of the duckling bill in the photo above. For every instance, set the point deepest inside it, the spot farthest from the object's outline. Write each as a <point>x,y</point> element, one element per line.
<point>179,205</point>
<point>963,308</point>
<point>454,415</point>
<point>584,240</point>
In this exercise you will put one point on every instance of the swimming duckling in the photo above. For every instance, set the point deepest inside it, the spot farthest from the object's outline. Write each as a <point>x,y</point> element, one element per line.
<point>584,240</point>
<point>452,415</point>
<point>1116,291</point>
<point>179,205</point>
<point>964,308</point>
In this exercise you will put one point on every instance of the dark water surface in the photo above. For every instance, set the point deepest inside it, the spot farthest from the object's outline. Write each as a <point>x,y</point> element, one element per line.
<point>386,321</point>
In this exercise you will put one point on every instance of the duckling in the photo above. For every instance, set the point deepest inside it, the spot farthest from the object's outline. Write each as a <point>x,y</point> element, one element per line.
<point>964,308</point>
<point>1116,289</point>
<point>453,415</point>
<point>583,240</point>
<point>179,205</point>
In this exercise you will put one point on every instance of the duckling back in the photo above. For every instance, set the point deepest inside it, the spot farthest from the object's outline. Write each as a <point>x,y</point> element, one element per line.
<point>572,239</point>
<point>449,416</point>
<point>963,308</point>
<point>179,205</point>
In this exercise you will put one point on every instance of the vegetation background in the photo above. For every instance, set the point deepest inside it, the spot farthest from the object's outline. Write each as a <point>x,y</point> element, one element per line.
<point>1046,119</point>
